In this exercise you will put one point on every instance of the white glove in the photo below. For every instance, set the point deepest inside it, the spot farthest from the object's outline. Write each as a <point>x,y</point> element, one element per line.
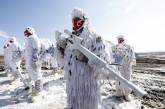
<point>80,56</point>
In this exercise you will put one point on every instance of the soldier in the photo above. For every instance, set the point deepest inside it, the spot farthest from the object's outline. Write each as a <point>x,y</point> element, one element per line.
<point>82,87</point>
<point>124,55</point>
<point>33,65</point>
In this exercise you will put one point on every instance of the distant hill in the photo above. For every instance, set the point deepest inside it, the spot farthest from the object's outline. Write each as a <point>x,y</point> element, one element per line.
<point>151,57</point>
<point>152,53</point>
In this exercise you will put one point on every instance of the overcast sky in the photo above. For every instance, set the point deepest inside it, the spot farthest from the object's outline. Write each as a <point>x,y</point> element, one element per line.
<point>141,21</point>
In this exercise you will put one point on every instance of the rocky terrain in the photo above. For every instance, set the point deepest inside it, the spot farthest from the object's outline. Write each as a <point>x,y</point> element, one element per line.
<point>149,74</point>
<point>152,78</point>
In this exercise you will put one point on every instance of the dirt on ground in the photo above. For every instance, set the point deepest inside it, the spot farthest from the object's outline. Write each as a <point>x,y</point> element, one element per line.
<point>151,77</point>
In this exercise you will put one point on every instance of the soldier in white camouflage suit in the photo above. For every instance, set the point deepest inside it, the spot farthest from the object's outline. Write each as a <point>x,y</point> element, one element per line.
<point>14,58</point>
<point>124,54</point>
<point>82,86</point>
<point>33,64</point>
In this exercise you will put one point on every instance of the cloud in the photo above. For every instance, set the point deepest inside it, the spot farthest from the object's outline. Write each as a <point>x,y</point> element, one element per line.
<point>3,34</point>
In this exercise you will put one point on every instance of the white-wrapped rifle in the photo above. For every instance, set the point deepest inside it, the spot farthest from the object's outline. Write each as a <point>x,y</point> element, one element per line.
<point>75,43</point>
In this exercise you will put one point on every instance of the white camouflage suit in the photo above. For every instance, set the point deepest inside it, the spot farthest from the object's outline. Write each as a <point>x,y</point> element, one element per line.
<point>33,65</point>
<point>82,87</point>
<point>125,55</point>
<point>14,57</point>
<point>6,58</point>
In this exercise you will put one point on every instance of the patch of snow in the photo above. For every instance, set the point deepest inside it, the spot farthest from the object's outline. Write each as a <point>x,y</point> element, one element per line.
<point>54,96</point>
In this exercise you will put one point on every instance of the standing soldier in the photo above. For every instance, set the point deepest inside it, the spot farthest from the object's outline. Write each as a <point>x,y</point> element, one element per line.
<point>124,55</point>
<point>33,65</point>
<point>83,91</point>
<point>14,57</point>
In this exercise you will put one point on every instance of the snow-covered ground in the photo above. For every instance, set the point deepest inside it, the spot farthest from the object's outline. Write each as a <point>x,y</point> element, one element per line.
<point>54,96</point>
<point>149,75</point>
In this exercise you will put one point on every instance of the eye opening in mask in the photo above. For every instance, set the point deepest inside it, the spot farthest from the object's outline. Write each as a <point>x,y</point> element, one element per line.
<point>11,41</point>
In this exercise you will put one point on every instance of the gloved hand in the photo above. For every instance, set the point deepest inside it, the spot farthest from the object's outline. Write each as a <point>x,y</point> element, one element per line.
<point>57,34</point>
<point>62,44</point>
<point>61,41</point>
<point>80,56</point>
<point>61,50</point>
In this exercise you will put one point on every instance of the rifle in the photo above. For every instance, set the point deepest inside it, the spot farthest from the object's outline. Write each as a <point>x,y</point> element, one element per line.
<point>75,43</point>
